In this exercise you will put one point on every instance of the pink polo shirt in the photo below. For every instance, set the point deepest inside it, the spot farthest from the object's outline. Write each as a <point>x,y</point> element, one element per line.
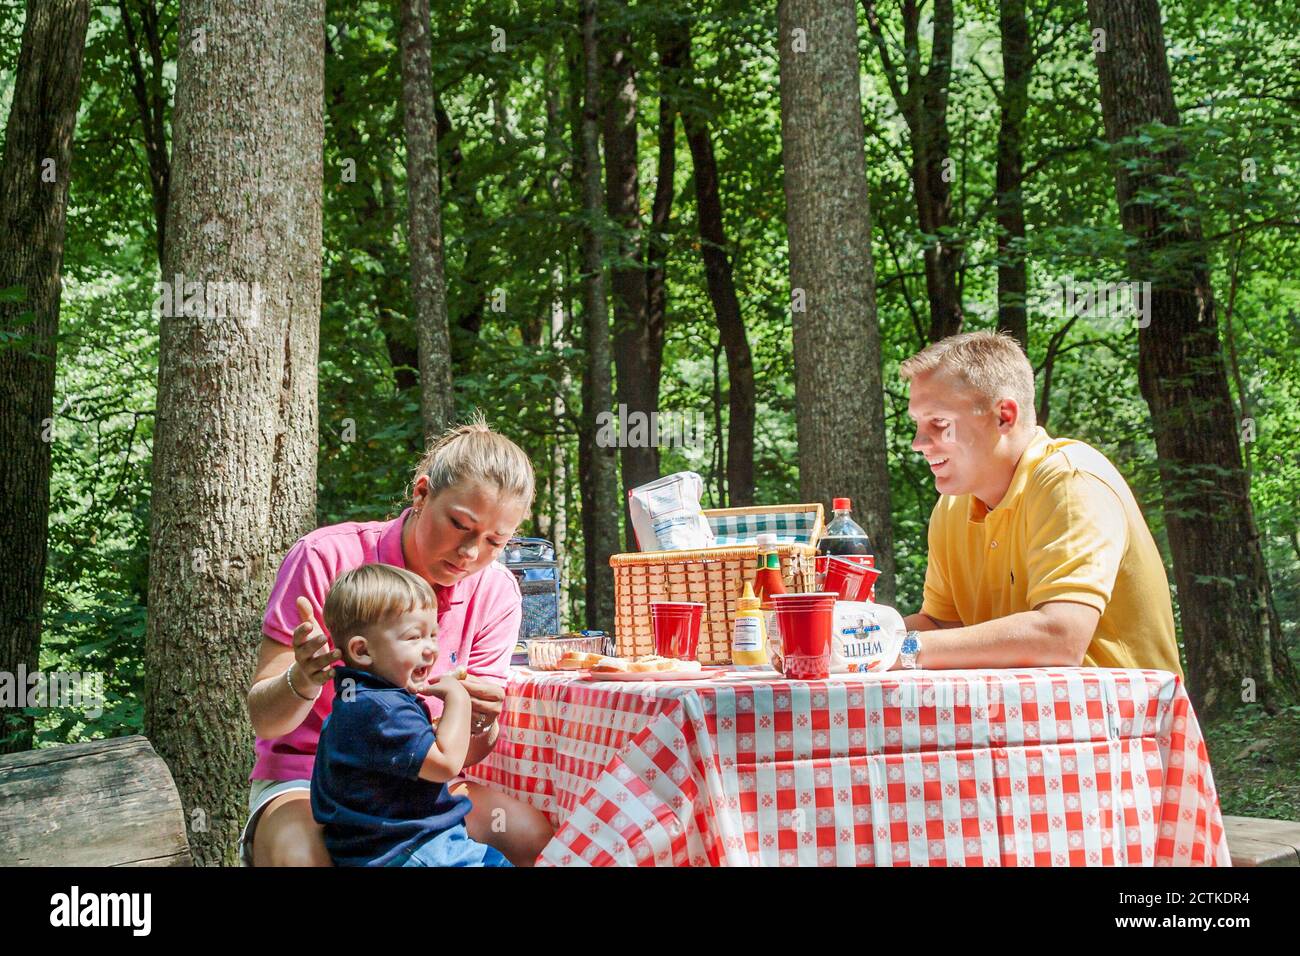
<point>478,624</point>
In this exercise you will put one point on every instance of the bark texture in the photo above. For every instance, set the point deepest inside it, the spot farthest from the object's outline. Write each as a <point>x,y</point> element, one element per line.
<point>715,252</point>
<point>234,473</point>
<point>424,221</point>
<point>839,403</point>
<point>34,178</point>
<point>1230,627</point>
<point>633,341</point>
<point>597,475</point>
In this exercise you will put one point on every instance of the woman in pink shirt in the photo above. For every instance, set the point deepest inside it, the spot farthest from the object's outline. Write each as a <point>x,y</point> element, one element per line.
<point>471,492</point>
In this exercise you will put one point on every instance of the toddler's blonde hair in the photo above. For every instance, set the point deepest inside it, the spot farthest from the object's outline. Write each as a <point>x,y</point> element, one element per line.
<point>992,364</point>
<point>370,594</point>
<point>474,452</point>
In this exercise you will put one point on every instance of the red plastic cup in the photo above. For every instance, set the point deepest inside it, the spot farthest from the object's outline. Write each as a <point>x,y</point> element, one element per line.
<point>840,573</point>
<point>805,623</point>
<point>676,628</point>
<point>851,580</point>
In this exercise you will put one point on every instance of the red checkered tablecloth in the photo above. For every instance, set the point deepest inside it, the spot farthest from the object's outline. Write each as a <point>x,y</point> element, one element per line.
<point>1052,766</point>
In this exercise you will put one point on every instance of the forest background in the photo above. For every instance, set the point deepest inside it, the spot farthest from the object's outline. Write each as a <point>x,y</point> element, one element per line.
<point>991,179</point>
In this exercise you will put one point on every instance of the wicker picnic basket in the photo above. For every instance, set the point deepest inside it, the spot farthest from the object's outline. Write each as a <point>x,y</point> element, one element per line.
<point>712,576</point>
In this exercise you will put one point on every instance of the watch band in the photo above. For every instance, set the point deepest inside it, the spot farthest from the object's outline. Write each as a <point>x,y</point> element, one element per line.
<point>911,648</point>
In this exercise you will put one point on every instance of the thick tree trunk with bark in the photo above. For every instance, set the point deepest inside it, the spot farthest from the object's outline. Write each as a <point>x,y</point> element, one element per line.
<point>923,104</point>
<point>596,465</point>
<point>34,177</point>
<point>424,221</point>
<point>1230,627</point>
<point>839,403</point>
<point>234,473</point>
<point>715,252</point>
<point>1012,279</point>
<point>627,277</point>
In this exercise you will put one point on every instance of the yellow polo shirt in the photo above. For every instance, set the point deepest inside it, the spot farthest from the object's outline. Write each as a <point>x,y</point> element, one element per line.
<point>1068,529</point>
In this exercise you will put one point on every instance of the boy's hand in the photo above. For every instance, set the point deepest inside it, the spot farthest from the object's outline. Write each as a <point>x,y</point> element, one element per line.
<point>448,685</point>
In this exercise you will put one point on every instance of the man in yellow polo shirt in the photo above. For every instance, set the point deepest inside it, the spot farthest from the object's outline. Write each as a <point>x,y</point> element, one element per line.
<point>1038,552</point>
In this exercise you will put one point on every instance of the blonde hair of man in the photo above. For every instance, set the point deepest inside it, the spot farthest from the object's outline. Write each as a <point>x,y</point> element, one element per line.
<point>369,594</point>
<point>474,452</point>
<point>990,364</point>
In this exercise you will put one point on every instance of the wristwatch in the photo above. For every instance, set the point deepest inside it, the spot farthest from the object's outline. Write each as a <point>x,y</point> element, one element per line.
<point>911,648</point>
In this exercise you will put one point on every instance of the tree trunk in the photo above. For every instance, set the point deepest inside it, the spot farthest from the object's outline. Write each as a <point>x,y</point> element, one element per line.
<point>1012,279</point>
<point>1230,627</point>
<point>596,465</point>
<point>424,218</point>
<point>839,404</point>
<point>924,106</point>
<point>722,293</point>
<point>656,244</point>
<point>34,177</point>
<point>234,472</point>
<point>151,102</point>
<point>627,277</point>
<point>557,466</point>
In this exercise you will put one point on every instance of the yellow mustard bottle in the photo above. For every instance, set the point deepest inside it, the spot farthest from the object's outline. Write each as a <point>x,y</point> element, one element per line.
<point>748,647</point>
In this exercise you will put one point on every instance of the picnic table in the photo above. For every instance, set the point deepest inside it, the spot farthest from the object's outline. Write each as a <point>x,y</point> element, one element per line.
<point>1041,766</point>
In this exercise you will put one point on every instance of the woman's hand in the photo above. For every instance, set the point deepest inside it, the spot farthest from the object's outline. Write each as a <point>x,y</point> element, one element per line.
<point>486,701</point>
<point>313,659</point>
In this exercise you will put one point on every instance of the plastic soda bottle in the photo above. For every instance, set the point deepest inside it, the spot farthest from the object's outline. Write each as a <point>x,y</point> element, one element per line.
<point>845,538</point>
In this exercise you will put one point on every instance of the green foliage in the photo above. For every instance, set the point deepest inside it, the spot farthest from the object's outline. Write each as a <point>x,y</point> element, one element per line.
<point>512,226</point>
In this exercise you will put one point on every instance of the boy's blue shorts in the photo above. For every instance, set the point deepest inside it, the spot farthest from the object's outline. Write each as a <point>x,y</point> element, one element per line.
<point>451,847</point>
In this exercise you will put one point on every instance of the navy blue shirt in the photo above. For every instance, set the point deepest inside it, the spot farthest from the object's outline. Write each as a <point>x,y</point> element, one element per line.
<point>365,786</point>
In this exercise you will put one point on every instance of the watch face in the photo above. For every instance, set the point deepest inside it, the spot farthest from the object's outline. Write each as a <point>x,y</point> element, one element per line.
<point>910,644</point>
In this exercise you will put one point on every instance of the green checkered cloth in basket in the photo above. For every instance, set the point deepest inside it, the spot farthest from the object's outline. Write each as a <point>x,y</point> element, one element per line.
<point>790,527</point>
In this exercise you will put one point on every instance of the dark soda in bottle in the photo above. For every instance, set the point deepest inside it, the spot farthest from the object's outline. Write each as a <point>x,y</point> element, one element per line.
<point>845,538</point>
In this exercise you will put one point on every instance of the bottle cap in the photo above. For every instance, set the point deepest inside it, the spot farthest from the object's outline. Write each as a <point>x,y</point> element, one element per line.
<point>766,540</point>
<point>841,504</point>
<point>748,600</point>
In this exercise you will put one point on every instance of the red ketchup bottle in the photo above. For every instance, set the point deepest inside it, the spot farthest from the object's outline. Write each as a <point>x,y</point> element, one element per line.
<point>768,581</point>
<point>767,576</point>
<point>844,538</point>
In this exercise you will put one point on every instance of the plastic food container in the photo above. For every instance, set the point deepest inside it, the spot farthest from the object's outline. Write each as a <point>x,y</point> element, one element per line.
<point>544,653</point>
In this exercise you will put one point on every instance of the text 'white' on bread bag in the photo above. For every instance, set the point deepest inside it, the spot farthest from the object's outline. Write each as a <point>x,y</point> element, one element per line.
<point>866,637</point>
<point>666,514</point>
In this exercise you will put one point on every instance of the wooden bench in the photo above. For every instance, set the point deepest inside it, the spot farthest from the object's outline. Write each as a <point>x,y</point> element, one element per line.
<point>1256,842</point>
<point>103,803</point>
